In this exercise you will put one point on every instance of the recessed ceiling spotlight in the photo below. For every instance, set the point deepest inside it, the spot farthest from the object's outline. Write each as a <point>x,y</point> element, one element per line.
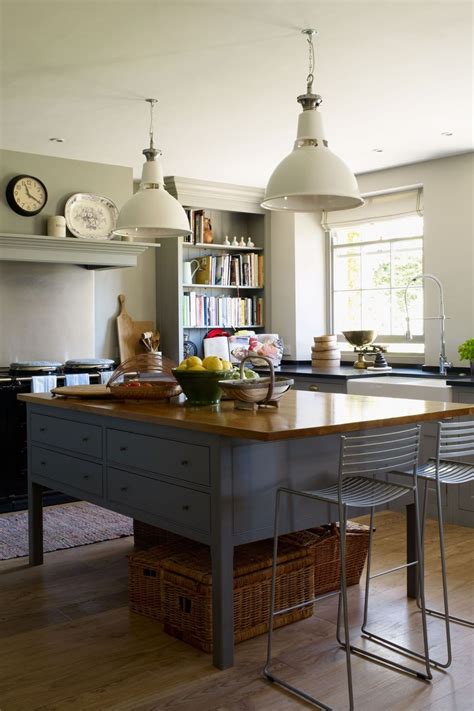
<point>377,150</point>
<point>56,140</point>
<point>446,133</point>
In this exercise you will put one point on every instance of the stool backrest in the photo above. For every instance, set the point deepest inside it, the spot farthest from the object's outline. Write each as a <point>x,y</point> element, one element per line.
<point>455,439</point>
<point>376,454</point>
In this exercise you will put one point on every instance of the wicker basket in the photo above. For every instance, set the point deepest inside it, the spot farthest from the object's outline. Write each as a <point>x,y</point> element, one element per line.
<point>186,591</point>
<point>146,536</point>
<point>264,392</point>
<point>146,376</point>
<point>324,544</point>
<point>144,592</point>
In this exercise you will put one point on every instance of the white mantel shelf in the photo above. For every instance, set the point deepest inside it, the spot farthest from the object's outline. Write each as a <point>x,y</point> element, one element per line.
<point>92,254</point>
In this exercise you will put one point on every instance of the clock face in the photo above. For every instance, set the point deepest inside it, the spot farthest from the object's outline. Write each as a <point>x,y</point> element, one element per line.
<point>26,195</point>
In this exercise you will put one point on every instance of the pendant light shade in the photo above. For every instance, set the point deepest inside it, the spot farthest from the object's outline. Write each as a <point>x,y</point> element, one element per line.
<point>152,211</point>
<point>311,178</point>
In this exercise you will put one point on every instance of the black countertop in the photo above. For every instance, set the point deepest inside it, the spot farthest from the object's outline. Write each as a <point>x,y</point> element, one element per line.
<point>456,376</point>
<point>466,382</point>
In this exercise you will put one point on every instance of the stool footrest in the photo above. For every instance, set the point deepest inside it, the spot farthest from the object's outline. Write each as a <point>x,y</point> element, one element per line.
<point>403,650</point>
<point>390,663</point>
<point>297,692</point>
<point>394,570</point>
<point>452,618</point>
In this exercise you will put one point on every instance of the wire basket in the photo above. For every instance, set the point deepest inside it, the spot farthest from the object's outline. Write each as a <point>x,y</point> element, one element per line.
<point>146,376</point>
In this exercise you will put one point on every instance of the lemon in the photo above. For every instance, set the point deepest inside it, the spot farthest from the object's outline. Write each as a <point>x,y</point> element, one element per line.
<point>192,361</point>
<point>196,367</point>
<point>212,363</point>
<point>226,365</point>
<point>183,365</point>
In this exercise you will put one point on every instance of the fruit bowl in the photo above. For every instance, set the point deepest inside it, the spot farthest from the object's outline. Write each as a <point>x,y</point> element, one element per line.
<point>201,387</point>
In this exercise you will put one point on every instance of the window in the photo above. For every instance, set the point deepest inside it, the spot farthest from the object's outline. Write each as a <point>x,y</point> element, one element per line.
<point>372,262</point>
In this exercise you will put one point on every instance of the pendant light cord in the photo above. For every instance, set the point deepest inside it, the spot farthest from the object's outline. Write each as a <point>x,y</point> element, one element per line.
<point>310,77</point>
<point>152,103</point>
<point>151,152</point>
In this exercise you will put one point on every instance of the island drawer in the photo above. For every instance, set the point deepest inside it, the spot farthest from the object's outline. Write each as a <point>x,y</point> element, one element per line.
<point>78,473</point>
<point>176,503</point>
<point>189,462</point>
<point>67,434</point>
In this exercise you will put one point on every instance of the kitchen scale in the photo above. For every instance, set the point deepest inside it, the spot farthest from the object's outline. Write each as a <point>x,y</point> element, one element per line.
<point>363,345</point>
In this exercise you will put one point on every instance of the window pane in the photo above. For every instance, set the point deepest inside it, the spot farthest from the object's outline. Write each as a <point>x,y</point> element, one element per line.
<point>415,309</point>
<point>372,265</point>
<point>347,311</point>
<point>410,226</point>
<point>407,261</point>
<point>347,268</point>
<point>348,235</point>
<point>375,262</point>
<point>376,310</point>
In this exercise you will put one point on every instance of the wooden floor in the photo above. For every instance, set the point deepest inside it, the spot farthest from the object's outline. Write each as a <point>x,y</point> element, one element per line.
<point>69,642</point>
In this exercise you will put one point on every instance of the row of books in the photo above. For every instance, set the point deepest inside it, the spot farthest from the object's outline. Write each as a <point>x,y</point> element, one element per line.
<point>196,223</point>
<point>200,310</point>
<point>231,270</point>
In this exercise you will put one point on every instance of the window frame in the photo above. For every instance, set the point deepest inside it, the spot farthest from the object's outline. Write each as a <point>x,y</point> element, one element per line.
<point>389,340</point>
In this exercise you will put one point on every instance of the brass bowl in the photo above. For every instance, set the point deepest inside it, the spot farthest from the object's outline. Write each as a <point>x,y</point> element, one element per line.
<point>360,338</point>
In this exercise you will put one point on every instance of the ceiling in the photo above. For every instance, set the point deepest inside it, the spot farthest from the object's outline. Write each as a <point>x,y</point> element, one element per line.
<point>393,75</point>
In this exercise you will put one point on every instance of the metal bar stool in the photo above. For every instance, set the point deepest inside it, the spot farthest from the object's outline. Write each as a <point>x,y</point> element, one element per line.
<point>454,439</point>
<point>362,458</point>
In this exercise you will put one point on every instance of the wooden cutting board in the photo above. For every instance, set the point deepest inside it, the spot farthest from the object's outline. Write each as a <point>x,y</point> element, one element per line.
<point>85,391</point>
<point>129,332</point>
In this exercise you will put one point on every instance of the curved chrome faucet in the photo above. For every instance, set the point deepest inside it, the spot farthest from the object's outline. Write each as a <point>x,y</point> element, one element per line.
<point>444,364</point>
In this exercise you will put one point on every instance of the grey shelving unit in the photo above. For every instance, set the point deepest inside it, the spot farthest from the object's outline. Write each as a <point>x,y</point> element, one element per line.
<point>234,211</point>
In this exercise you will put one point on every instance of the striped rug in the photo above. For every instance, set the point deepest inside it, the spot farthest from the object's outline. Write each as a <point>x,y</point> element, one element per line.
<point>64,526</point>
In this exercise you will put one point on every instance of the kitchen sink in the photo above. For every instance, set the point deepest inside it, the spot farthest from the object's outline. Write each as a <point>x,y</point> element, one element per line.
<point>412,388</point>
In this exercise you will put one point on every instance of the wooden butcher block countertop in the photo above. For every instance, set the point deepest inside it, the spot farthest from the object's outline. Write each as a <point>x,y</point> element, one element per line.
<point>301,414</point>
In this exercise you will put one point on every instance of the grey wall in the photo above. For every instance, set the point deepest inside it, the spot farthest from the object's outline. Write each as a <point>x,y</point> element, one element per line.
<point>76,307</point>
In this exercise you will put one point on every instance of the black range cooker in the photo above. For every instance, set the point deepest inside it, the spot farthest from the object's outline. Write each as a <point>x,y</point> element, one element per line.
<point>18,378</point>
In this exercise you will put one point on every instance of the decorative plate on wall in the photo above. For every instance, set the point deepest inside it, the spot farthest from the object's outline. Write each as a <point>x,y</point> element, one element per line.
<point>91,216</point>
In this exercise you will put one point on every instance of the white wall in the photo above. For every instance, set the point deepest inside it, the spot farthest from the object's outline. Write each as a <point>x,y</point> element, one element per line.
<point>297,281</point>
<point>448,187</point>
<point>61,311</point>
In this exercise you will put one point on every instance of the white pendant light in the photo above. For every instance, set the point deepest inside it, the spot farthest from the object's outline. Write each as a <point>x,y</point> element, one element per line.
<point>311,177</point>
<point>152,211</point>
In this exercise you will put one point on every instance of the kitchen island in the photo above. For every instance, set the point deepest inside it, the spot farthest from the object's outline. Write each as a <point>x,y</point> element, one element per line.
<point>207,473</point>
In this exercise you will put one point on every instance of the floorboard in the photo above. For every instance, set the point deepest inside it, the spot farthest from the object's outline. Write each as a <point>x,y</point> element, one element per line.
<point>69,642</point>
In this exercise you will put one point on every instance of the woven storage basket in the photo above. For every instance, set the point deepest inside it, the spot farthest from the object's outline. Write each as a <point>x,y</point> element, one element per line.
<point>186,591</point>
<point>144,593</point>
<point>324,544</point>
<point>147,536</point>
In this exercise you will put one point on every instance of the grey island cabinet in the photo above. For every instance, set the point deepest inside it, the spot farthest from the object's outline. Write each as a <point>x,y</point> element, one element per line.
<point>207,473</point>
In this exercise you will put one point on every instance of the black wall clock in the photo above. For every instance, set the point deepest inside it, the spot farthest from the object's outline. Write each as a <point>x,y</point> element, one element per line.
<point>26,195</point>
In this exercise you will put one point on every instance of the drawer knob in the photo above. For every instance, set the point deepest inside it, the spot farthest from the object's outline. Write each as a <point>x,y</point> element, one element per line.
<point>314,388</point>
<point>186,507</point>
<point>85,439</point>
<point>43,463</point>
<point>124,488</point>
<point>184,462</point>
<point>124,448</point>
<point>86,476</point>
<point>42,429</point>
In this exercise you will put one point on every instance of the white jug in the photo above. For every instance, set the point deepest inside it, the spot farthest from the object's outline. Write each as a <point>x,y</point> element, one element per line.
<point>189,272</point>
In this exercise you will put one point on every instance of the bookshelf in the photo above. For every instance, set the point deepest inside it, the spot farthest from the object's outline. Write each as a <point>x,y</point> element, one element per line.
<point>234,211</point>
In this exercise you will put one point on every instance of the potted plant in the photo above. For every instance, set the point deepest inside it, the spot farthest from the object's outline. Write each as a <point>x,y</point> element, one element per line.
<point>466,352</point>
